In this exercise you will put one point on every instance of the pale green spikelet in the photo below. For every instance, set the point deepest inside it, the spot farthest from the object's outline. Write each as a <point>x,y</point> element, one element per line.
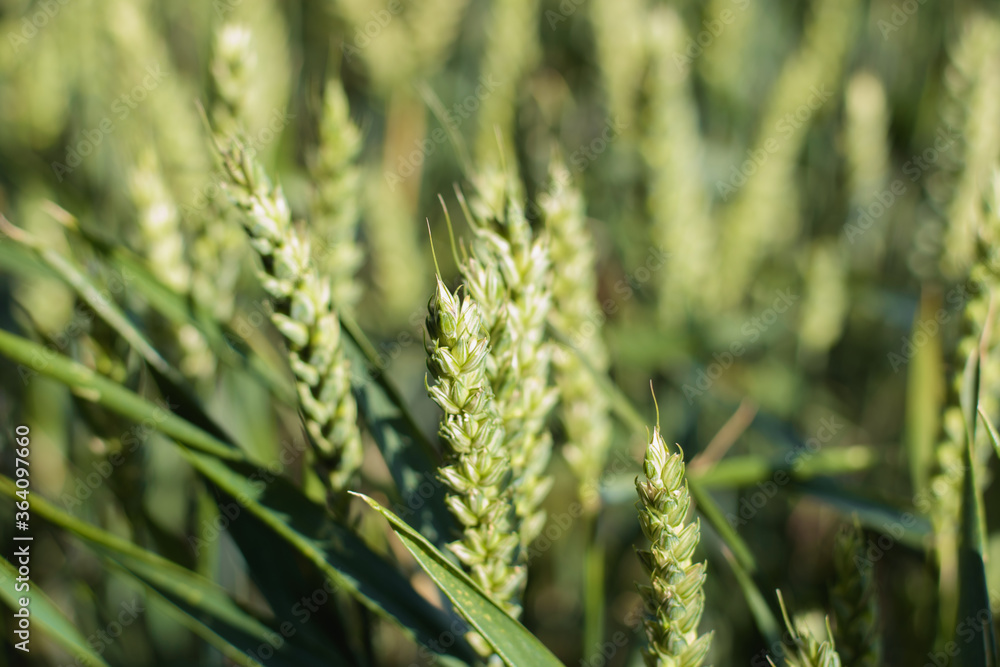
<point>251,74</point>
<point>232,73</point>
<point>974,85</point>
<point>303,313</point>
<point>162,242</point>
<point>806,650</point>
<point>509,275</point>
<point>674,598</point>
<point>583,406</point>
<point>159,223</point>
<point>511,51</point>
<point>854,599</point>
<point>335,206</point>
<point>478,465</point>
<point>674,152</point>
<point>762,218</point>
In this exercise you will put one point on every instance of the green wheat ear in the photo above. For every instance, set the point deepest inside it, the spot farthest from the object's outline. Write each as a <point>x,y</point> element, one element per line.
<point>855,602</point>
<point>674,598</point>
<point>806,650</point>
<point>477,466</point>
<point>303,314</point>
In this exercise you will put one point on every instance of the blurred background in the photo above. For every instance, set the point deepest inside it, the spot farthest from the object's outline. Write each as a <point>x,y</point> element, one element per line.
<point>786,199</point>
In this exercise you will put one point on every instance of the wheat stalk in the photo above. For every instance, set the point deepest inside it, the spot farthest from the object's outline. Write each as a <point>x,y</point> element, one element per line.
<point>674,597</point>
<point>478,466</point>
<point>303,313</point>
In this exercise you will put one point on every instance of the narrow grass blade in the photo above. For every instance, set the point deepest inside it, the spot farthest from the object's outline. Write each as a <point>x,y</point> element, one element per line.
<point>925,393</point>
<point>511,641</point>
<point>201,599</point>
<point>761,612</point>
<point>278,509</point>
<point>228,346</point>
<point>973,594</point>
<point>407,451</point>
<point>95,297</point>
<point>739,471</point>
<point>991,429</point>
<point>903,526</point>
<point>43,616</point>
<point>96,388</point>
<point>243,642</point>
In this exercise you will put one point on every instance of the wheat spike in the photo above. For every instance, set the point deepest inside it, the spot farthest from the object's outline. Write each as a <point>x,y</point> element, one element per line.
<point>674,597</point>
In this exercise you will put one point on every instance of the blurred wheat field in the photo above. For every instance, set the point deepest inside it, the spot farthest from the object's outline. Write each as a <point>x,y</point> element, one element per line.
<point>523,332</point>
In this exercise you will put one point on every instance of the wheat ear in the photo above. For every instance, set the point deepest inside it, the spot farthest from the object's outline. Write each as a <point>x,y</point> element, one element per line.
<point>674,597</point>
<point>509,275</point>
<point>583,406</point>
<point>855,603</point>
<point>807,651</point>
<point>477,469</point>
<point>335,206</point>
<point>303,313</point>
